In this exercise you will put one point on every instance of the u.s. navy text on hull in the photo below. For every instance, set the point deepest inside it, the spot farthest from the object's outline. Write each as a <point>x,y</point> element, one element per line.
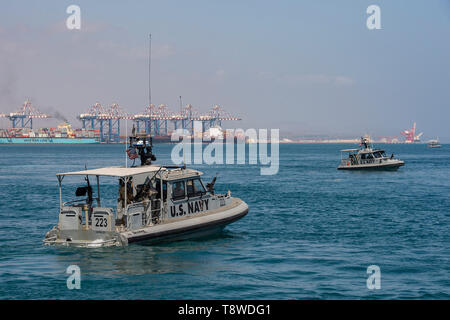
<point>188,208</point>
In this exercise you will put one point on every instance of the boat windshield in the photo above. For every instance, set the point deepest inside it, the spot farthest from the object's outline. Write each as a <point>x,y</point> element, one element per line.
<point>379,154</point>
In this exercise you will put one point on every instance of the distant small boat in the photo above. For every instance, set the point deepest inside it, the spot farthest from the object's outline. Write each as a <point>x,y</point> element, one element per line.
<point>434,144</point>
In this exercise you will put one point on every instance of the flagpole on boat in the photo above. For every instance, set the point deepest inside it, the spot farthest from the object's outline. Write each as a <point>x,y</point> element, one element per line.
<point>149,70</point>
<point>150,79</point>
<point>126,147</point>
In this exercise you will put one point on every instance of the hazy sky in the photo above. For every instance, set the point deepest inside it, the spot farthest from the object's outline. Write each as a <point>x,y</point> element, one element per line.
<point>306,67</point>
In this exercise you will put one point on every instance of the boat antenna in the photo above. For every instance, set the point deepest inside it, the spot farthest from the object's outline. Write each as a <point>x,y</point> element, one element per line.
<point>149,70</point>
<point>126,143</point>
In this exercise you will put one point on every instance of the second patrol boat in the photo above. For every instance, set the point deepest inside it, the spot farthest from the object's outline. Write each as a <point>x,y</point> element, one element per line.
<point>368,158</point>
<point>154,203</point>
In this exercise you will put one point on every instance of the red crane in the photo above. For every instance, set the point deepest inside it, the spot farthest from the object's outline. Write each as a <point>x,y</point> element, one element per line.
<point>410,135</point>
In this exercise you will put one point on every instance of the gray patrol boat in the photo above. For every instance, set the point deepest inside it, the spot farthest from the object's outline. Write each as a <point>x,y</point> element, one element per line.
<point>154,203</point>
<point>434,143</point>
<point>367,158</point>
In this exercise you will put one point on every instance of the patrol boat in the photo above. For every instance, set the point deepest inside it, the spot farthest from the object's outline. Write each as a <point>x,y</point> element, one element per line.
<point>368,158</point>
<point>154,203</point>
<point>434,144</point>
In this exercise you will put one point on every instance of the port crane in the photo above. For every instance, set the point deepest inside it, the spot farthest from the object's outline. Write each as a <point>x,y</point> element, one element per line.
<point>23,118</point>
<point>410,135</point>
<point>159,120</point>
<point>107,120</point>
<point>155,120</point>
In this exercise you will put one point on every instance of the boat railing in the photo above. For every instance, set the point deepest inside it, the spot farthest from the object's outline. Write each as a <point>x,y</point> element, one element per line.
<point>150,210</point>
<point>374,160</point>
<point>153,212</point>
<point>80,201</point>
<point>369,161</point>
<point>73,202</point>
<point>359,161</point>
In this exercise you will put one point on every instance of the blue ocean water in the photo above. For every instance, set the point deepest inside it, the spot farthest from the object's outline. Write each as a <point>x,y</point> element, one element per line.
<point>311,232</point>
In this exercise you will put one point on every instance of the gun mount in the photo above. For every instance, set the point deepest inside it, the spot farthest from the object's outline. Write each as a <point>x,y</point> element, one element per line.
<point>141,145</point>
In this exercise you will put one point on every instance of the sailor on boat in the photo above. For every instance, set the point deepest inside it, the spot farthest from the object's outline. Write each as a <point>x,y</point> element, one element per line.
<point>154,203</point>
<point>368,158</point>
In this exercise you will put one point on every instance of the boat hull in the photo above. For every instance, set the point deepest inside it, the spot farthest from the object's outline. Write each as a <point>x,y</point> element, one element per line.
<point>191,227</point>
<point>378,166</point>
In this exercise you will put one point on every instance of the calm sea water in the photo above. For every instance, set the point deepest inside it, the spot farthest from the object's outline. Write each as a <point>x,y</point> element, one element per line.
<point>311,232</point>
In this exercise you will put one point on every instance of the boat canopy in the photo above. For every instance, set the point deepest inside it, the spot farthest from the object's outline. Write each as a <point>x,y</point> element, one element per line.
<point>180,174</point>
<point>372,151</point>
<point>349,150</point>
<point>114,171</point>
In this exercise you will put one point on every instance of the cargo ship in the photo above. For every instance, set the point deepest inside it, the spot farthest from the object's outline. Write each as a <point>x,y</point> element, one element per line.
<point>162,139</point>
<point>63,134</point>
